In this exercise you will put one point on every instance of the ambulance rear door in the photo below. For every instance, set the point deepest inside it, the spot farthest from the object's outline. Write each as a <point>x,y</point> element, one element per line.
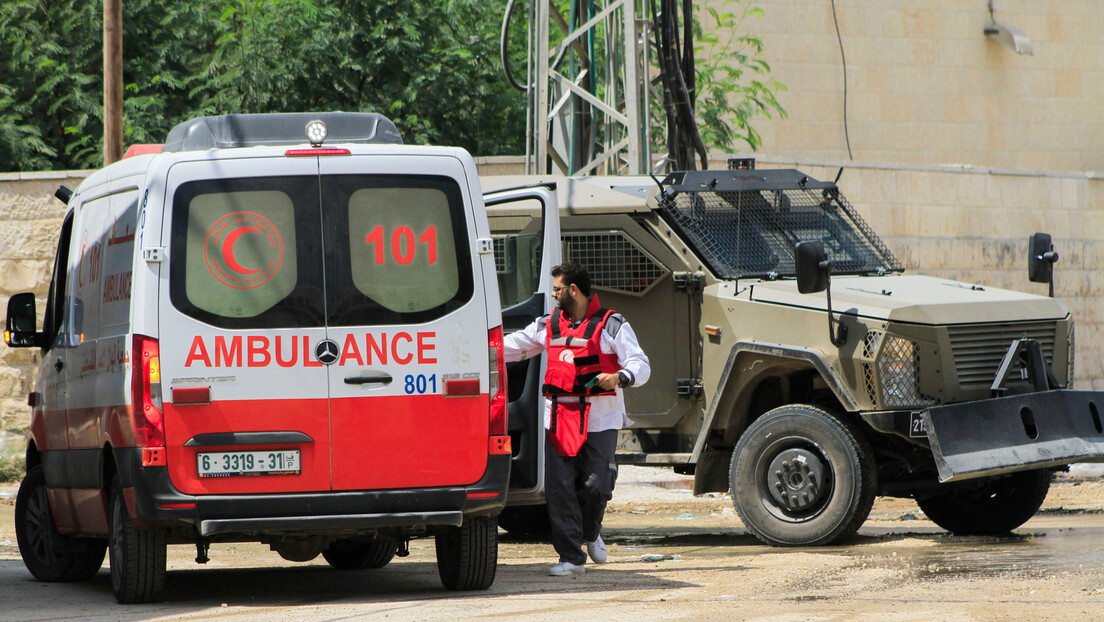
<point>242,313</point>
<point>526,229</point>
<point>407,322</point>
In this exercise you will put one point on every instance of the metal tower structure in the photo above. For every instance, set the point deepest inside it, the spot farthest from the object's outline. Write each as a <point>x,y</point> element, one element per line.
<point>588,93</point>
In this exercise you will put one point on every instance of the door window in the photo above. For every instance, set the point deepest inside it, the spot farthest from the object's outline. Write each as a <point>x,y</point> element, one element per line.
<point>245,252</point>
<point>58,299</point>
<point>400,251</point>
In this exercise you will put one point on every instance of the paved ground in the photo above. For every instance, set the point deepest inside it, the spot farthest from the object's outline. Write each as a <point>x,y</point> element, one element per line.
<point>672,556</point>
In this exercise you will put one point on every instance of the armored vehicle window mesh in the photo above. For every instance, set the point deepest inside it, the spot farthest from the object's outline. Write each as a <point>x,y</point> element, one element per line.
<point>499,254</point>
<point>753,232</point>
<point>614,261</point>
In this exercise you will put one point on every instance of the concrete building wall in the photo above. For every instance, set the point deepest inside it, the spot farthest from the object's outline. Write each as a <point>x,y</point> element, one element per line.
<point>926,86</point>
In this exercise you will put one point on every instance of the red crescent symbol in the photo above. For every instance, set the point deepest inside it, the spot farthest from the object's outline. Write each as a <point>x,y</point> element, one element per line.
<point>228,250</point>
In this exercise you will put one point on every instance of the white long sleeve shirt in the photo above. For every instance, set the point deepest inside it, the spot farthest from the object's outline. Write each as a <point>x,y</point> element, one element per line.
<point>607,412</point>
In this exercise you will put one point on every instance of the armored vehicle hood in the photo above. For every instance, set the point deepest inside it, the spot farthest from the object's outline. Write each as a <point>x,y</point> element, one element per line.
<point>915,299</point>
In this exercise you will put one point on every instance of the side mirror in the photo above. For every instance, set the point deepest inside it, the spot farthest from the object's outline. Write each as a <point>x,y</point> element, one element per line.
<point>812,267</point>
<point>19,329</point>
<point>1041,259</point>
<point>813,270</point>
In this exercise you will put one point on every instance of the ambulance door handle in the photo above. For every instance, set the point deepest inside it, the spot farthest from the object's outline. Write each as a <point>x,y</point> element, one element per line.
<point>369,379</point>
<point>59,365</point>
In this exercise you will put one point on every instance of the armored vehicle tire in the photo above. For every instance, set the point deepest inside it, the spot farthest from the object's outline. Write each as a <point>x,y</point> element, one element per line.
<point>137,556</point>
<point>991,506</point>
<point>357,555</point>
<point>467,556</point>
<point>802,477</point>
<point>50,556</point>
<point>525,520</point>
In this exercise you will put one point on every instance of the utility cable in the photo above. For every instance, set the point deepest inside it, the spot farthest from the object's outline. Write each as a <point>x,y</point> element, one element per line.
<point>843,62</point>
<point>502,48</point>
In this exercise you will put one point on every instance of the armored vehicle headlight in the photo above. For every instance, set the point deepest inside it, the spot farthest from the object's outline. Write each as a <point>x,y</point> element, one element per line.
<point>899,373</point>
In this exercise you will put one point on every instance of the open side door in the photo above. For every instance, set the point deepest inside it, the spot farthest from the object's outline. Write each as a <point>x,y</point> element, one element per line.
<point>526,229</point>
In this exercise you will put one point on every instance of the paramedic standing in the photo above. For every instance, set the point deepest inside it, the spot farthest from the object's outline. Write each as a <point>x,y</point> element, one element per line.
<point>592,355</point>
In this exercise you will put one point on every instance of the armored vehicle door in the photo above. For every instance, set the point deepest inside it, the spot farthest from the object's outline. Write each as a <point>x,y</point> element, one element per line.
<point>525,226</point>
<point>635,273</point>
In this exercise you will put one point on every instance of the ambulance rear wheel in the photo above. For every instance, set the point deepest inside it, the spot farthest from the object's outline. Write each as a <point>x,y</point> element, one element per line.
<point>358,555</point>
<point>50,556</point>
<point>802,477</point>
<point>467,556</point>
<point>137,556</point>
<point>989,507</point>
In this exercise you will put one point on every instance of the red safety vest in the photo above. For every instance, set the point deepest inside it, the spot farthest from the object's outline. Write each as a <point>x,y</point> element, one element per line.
<point>575,358</point>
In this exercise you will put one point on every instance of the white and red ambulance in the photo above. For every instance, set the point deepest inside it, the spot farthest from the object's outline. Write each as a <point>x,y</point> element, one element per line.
<point>278,328</point>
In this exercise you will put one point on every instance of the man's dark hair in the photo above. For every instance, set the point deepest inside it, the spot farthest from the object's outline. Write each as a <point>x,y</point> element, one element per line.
<point>573,273</point>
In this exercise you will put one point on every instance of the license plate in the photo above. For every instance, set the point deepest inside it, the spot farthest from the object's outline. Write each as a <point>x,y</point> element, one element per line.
<point>237,463</point>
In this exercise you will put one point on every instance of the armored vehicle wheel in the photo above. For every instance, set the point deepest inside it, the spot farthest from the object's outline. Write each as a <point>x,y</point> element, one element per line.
<point>467,556</point>
<point>357,555</point>
<point>50,556</point>
<point>991,506</point>
<point>801,477</point>
<point>525,520</point>
<point>137,556</point>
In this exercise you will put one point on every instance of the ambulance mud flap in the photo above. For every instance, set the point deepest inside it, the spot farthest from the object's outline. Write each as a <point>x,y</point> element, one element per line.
<point>1016,433</point>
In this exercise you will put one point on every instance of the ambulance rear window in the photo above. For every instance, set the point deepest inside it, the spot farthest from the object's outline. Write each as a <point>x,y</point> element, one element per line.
<point>403,244</point>
<point>245,252</point>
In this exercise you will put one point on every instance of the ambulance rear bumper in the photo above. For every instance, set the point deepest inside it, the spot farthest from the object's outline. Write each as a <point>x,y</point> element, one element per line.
<point>331,524</point>
<point>158,503</point>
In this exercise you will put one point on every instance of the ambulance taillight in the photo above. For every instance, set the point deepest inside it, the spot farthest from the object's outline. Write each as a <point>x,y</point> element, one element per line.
<point>149,424</point>
<point>497,383</point>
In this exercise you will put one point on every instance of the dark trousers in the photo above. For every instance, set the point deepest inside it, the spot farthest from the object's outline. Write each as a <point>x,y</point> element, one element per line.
<point>576,490</point>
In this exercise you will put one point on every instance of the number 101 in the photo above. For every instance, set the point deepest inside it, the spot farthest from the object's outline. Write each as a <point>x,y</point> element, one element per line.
<point>403,247</point>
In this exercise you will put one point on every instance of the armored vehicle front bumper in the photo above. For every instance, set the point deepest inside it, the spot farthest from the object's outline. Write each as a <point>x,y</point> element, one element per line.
<point>1015,433</point>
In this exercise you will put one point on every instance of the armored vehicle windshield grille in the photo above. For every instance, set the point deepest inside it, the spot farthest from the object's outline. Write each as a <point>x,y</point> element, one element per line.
<point>753,232</point>
<point>614,261</point>
<point>979,348</point>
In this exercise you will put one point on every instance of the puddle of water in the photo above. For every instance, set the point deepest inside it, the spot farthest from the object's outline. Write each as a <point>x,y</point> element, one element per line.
<point>1053,552</point>
<point>926,554</point>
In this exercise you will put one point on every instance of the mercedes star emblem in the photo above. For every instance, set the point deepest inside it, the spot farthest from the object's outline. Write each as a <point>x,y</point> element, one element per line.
<point>326,352</point>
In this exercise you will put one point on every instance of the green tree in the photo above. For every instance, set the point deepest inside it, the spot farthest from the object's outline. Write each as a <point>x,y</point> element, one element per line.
<point>734,84</point>
<point>431,65</point>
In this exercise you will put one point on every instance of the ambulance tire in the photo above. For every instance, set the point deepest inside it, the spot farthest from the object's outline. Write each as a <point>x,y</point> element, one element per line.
<point>801,476</point>
<point>137,557</point>
<point>989,507</point>
<point>525,520</point>
<point>359,555</point>
<point>50,556</point>
<point>467,556</point>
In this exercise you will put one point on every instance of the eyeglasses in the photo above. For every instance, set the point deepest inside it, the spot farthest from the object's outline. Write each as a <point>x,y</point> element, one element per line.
<point>556,288</point>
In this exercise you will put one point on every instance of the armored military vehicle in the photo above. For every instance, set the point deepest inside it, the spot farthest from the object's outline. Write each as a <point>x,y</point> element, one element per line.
<point>795,363</point>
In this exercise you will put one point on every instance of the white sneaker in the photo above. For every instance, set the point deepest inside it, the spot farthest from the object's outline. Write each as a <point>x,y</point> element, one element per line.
<point>597,550</point>
<point>564,569</point>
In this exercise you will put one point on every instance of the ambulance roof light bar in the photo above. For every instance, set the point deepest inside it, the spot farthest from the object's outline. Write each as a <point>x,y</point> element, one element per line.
<point>252,130</point>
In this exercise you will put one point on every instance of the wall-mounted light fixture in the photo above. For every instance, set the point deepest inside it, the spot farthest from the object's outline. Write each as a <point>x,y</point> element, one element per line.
<point>1009,36</point>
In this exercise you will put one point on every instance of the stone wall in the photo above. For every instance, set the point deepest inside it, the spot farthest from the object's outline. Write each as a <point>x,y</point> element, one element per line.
<point>964,223</point>
<point>30,218</point>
